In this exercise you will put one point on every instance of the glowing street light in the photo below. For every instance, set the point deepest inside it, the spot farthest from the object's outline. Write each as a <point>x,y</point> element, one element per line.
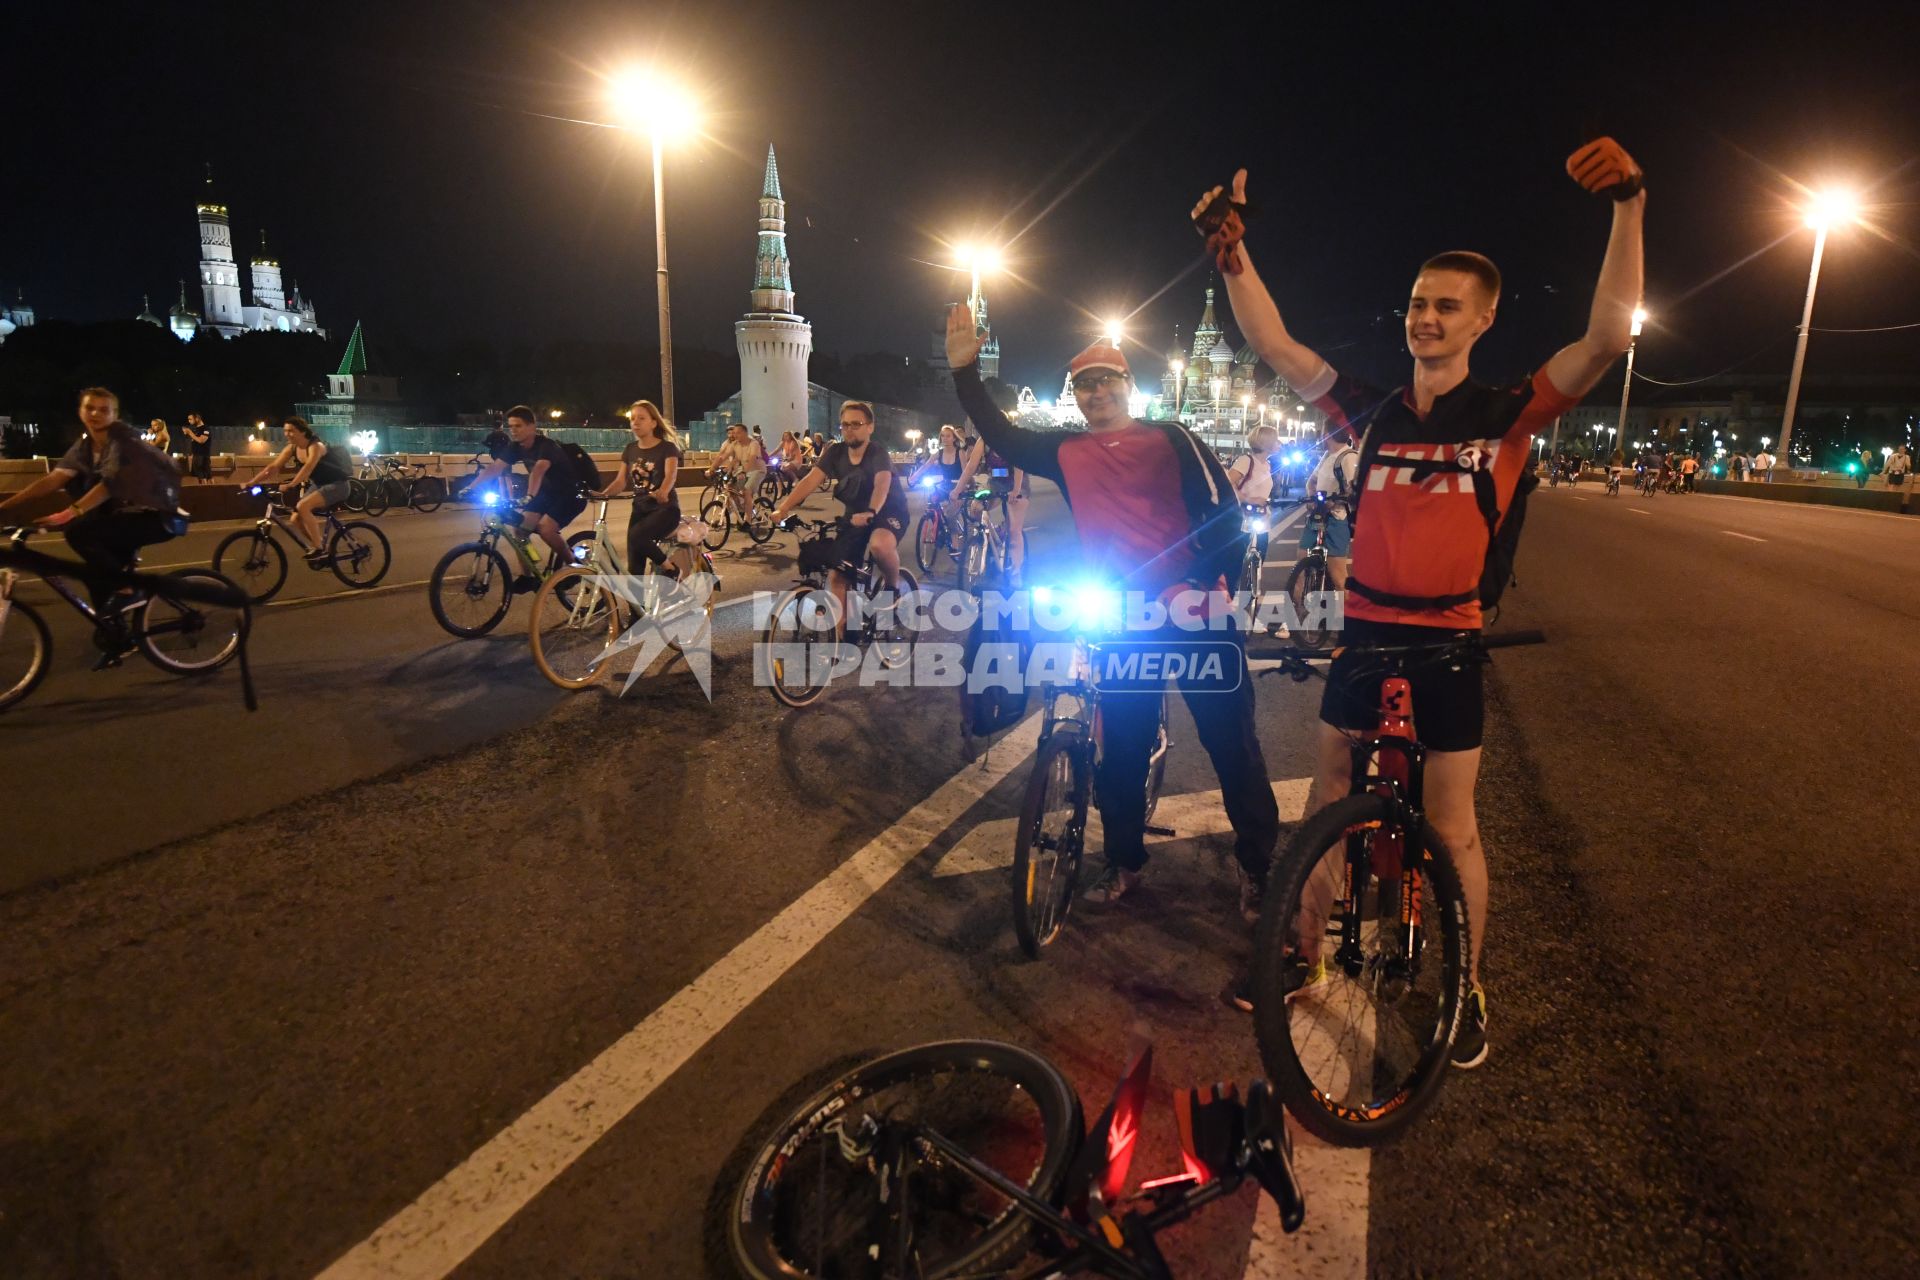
<point>978,260</point>
<point>1115,332</point>
<point>646,101</point>
<point>1639,322</point>
<point>1179,375</point>
<point>554,414</point>
<point>1829,207</point>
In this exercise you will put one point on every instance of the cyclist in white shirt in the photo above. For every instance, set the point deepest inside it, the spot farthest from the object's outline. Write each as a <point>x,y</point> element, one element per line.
<point>1252,475</point>
<point>1339,464</point>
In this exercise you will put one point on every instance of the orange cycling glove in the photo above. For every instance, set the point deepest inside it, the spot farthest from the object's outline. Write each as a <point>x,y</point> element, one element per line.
<point>1603,167</point>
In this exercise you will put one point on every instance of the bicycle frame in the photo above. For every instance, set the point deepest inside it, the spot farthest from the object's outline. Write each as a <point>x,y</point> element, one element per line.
<point>1397,761</point>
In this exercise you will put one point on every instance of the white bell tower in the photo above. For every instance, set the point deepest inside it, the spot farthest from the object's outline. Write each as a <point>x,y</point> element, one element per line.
<point>219,274</point>
<point>774,342</point>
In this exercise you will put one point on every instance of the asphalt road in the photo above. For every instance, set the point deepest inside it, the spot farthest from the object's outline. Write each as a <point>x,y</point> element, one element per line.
<point>427,967</point>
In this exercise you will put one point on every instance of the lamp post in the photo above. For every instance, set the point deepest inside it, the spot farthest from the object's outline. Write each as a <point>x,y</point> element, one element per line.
<point>1179,374</point>
<point>1828,208</point>
<point>977,260</point>
<point>645,100</point>
<point>1639,319</point>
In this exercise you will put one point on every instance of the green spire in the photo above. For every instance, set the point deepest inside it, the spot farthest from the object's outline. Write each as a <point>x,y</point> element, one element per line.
<point>771,189</point>
<point>354,359</point>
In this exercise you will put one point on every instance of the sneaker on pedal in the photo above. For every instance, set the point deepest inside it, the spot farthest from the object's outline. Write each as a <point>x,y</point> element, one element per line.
<point>1296,977</point>
<point>1115,883</point>
<point>1470,1043</point>
<point>525,583</point>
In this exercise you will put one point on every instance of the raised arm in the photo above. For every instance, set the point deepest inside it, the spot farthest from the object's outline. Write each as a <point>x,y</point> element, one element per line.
<point>1255,311</point>
<point>1037,452</point>
<point>1603,167</point>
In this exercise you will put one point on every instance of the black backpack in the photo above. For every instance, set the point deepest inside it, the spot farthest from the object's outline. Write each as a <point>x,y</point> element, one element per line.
<point>1503,534</point>
<point>586,472</point>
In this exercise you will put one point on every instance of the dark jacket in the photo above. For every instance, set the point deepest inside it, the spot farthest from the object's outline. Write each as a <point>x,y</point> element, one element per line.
<point>1216,534</point>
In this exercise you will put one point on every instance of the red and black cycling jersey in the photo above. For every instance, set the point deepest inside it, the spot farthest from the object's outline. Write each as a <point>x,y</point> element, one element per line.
<point>1425,536</point>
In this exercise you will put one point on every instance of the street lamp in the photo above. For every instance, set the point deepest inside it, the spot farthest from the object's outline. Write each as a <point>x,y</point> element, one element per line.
<point>978,260</point>
<point>1179,373</point>
<point>1828,208</point>
<point>1639,320</point>
<point>913,440</point>
<point>646,101</point>
<point>1114,331</point>
<point>554,414</point>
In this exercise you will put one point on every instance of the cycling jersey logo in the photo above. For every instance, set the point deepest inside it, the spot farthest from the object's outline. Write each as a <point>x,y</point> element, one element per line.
<point>1464,458</point>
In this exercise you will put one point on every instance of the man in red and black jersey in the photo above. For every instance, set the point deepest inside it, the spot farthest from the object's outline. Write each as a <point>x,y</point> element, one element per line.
<point>1157,516</point>
<point>1420,540</point>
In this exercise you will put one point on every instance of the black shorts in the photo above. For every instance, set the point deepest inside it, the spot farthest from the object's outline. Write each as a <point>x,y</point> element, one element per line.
<point>850,544</point>
<point>563,504</point>
<point>1449,710</point>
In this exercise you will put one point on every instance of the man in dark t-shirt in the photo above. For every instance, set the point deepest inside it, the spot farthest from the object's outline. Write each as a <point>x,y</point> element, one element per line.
<point>875,506</point>
<point>1420,537</point>
<point>554,499</point>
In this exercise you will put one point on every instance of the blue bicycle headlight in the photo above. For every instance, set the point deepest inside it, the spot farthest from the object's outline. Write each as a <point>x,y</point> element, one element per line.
<point>491,499</point>
<point>1256,524</point>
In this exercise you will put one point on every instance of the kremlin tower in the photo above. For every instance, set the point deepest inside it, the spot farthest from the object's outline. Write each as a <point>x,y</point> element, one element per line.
<point>773,340</point>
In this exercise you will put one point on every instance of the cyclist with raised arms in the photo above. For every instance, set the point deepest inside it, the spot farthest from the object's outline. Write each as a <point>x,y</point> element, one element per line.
<point>1156,515</point>
<point>554,496</point>
<point>322,472</point>
<point>1420,543</point>
<point>875,506</point>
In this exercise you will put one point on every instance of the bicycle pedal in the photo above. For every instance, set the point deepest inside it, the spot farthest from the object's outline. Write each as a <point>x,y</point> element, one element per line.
<point>525,583</point>
<point>1163,832</point>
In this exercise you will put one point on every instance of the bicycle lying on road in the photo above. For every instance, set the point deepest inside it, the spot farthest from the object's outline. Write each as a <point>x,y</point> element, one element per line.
<point>578,618</point>
<point>1049,844</point>
<point>472,587</point>
<point>1360,958</point>
<point>971,1158</point>
<point>189,622</point>
<point>807,643</point>
<point>356,550</point>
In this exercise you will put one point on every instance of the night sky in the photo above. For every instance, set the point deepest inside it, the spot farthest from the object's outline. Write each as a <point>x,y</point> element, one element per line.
<point>405,163</point>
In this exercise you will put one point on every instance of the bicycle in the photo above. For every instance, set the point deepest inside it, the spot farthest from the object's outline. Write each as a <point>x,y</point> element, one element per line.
<point>1613,482</point>
<point>935,532</point>
<point>471,589</point>
<point>971,1158</point>
<point>1049,844</point>
<point>729,507</point>
<point>1311,576</point>
<point>386,477</point>
<point>984,546</point>
<point>1354,1014</point>
<point>806,642</point>
<point>778,482</point>
<point>578,618</point>
<point>188,622</point>
<point>1254,521</point>
<point>356,551</point>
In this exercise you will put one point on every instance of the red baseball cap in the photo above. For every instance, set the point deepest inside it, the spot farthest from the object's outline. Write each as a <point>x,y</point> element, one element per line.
<point>1099,356</point>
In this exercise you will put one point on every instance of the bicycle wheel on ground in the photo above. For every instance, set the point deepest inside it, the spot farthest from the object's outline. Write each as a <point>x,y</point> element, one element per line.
<point>1309,578</point>
<point>928,541</point>
<point>359,554</point>
<point>576,622</point>
<point>25,646</point>
<point>471,590</point>
<point>759,525</point>
<point>973,558</point>
<point>190,637</point>
<point>1355,1033</point>
<point>840,1189</point>
<point>356,499</point>
<point>1049,842</point>
<point>426,494</point>
<point>718,514</point>
<point>378,497</point>
<point>253,559</point>
<point>800,644</point>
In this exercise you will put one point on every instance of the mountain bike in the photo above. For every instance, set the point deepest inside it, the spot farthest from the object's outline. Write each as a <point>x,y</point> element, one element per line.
<point>779,481</point>
<point>1311,576</point>
<point>728,509</point>
<point>985,548</point>
<point>1255,521</point>
<point>1360,959</point>
<point>971,1158</point>
<point>391,478</point>
<point>189,622</point>
<point>935,532</point>
<point>581,612</point>
<point>357,552</point>
<point>1613,482</point>
<point>807,643</point>
<point>471,589</point>
<point>1049,844</point>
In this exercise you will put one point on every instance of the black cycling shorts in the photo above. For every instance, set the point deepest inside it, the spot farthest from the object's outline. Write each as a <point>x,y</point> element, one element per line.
<point>850,544</point>
<point>1449,709</point>
<point>558,501</point>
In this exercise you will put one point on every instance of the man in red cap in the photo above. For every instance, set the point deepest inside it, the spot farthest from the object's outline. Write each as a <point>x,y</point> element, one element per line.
<point>1157,516</point>
<point>1422,536</point>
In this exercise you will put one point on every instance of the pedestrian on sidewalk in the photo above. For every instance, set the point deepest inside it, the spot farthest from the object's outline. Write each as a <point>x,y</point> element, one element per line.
<point>1689,467</point>
<point>1861,477</point>
<point>1899,463</point>
<point>1763,465</point>
<point>199,449</point>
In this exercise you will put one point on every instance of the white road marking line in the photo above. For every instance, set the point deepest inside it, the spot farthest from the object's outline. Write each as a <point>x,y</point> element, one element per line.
<point>989,846</point>
<point>1332,1240</point>
<point>1637,511</point>
<point>456,1215</point>
<point>1578,498</point>
<point>1749,537</point>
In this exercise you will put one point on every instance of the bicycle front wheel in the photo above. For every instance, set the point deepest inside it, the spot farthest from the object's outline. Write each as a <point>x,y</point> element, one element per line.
<point>576,622</point>
<point>718,515</point>
<point>893,629</point>
<point>190,638</point>
<point>471,590</point>
<point>927,539</point>
<point>840,1189</point>
<point>1357,984</point>
<point>1309,578</point>
<point>378,499</point>
<point>25,645</point>
<point>359,554</point>
<point>1050,840</point>
<point>800,645</point>
<point>356,499</point>
<point>760,525</point>
<point>254,560</point>
<point>427,493</point>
